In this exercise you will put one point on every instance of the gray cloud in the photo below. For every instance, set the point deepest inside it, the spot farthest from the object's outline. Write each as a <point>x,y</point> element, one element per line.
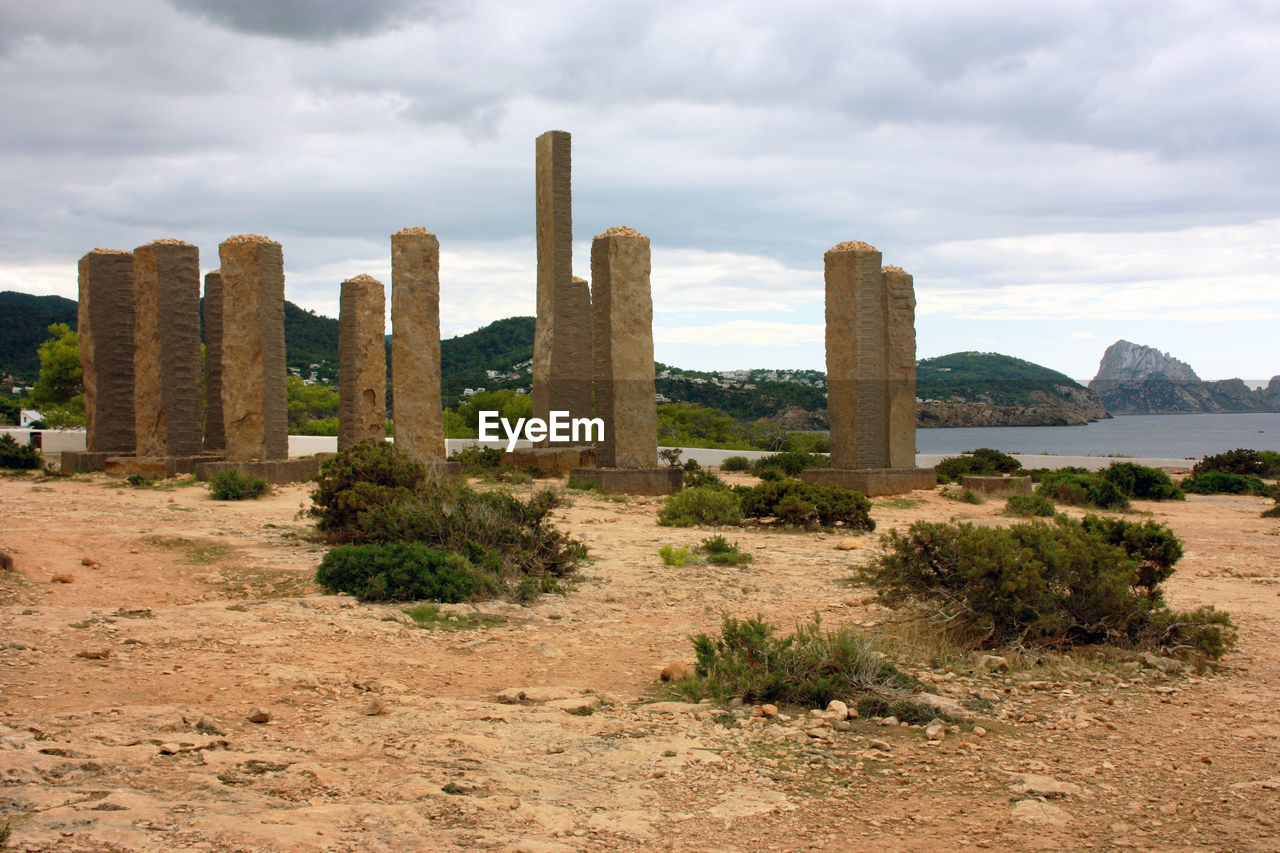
<point>313,20</point>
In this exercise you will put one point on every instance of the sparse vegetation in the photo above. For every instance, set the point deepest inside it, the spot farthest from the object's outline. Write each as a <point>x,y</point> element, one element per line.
<point>1256,463</point>
<point>983,462</point>
<point>696,476</point>
<point>236,485</point>
<point>721,552</point>
<point>1030,506</point>
<point>1082,488</point>
<point>964,496</point>
<point>701,505</point>
<point>801,504</point>
<point>18,457</point>
<point>675,556</point>
<point>429,616</point>
<point>1142,482</point>
<point>735,463</point>
<point>790,462</point>
<point>1056,584</point>
<point>809,667</point>
<point>1214,482</point>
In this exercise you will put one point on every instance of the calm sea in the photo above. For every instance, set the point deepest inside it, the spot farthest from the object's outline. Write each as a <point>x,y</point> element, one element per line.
<point>1152,436</point>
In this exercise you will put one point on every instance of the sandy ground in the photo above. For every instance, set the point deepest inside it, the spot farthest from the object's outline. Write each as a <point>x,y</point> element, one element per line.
<point>125,697</point>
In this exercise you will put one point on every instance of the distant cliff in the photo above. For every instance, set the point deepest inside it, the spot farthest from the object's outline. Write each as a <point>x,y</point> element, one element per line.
<point>1134,379</point>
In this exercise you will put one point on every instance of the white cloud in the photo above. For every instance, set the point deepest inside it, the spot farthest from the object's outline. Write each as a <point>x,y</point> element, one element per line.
<point>759,333</point>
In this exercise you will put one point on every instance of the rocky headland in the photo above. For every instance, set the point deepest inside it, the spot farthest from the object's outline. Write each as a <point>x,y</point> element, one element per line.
<point>1135,379</point>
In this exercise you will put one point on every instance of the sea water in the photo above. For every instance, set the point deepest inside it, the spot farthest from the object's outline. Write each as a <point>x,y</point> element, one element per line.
<point>1151,436</point>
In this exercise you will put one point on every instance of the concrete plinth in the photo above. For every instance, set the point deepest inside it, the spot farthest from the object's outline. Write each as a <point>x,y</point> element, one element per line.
<point>873,481</point>
<point>155,466</point>
<point>633,481</point>
<point>274,471</point>
<point>84,461</point>
<point>561,459</point>
<point>998,485</point>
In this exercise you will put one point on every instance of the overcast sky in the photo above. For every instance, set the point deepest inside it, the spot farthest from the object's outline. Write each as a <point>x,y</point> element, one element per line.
<point>1056,175</point>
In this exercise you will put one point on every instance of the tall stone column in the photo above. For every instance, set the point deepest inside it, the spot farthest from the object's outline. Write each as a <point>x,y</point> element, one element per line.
<point>215,438</point>
<point>573,368</point>
<point>552,343</point>
<point>857,400</point>
<point>900,325</point>
<point>622,307</point>
<point>105,321</point>
<point>255,412</point>
<point>166,354</point>
<point>415,343</point>
<point>362,362</point>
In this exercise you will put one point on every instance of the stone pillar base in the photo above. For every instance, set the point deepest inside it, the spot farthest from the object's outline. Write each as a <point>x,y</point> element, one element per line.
<point>559,459</point>
<point>873,481</point>
<point>155,466</point>
<point>998,485</point>
<point>274,471</point>
<point>633,481</point>
<point>84,461</point>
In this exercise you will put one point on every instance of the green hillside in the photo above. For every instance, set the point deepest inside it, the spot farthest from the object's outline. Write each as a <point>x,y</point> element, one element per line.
<point>24,325</point>
<point>998,379</point>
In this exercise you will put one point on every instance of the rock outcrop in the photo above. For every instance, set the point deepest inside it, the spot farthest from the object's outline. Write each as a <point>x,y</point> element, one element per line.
<point>1135,379</point>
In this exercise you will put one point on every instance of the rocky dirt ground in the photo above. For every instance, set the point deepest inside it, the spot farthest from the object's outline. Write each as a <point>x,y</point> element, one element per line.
<point>143,631</point>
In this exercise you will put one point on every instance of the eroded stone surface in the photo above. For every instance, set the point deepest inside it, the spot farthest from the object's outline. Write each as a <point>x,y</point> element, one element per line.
<point>362,362</point>
<point>900,328</point>
<point>215,439</point>
<point>415,343</point>
<point>105,324</point>
<point>166,355</point>
<point>857,402</point>
<point>254,402</point>
<point>622,308</point>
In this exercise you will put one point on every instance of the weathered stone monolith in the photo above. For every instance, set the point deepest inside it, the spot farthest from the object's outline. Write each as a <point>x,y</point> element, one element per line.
<point>622,309</point>
<point>554,370</point>
<point>857,399</point>
<point>574,374</point>
<point>254,396</point>
<point>105,328</point>
<point>362,362</point>
<point>166,355</point>
<point>415,343</point>
<point>215,438</point>
<point>900,326</point>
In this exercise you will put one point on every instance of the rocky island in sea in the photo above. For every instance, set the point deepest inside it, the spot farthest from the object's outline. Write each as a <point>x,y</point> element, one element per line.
<point>1134,379</point>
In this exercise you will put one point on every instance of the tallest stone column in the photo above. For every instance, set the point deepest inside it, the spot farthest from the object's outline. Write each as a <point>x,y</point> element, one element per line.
<point>562,363</point>
<point>857,374</point>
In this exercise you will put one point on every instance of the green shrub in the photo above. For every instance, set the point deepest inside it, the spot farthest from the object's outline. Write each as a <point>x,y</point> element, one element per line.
<point>802,504</point>
<point>1274,512</point>
<point>18,457</point>
<point>675,556</point>
<point>1223,483</point>
<point>1257,463</point>
<point>964,496</point>
<point>401,572</point>
<point>236,485</point>
<point>695,476</point>
<point>721,552</point>
<point>1061,583</point>
<point>906,710</point>
<point>700,505</point>
<point>790,463</point>
<point>477,461</point>
<point>1143,483</point>
<point>1030,506</point>
<point>809,667</point>
<point>375,494</point>
<point>735,463</point>
<point>976,463</point>
<point>770,474</point>
<point>1083,488</point>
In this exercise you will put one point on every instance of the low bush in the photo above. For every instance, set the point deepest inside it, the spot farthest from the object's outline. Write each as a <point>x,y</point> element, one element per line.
<point>800,504</point>
<point>1030,506</point>
<point>376,495</point>
<point>1082,488</point>
<point>477,461</point>
<point>735,463</point>
<point>236,485</point>
<point>399,571</point>
<point>1223,483</point>
<point>981,462</point>
<point>1142,482</point>
<point>1061,583</point>
<point>675,556</point>
<point>707,505</point>
<point>695,476</point>
<point>790,463</point>
<point>964,496</point>
<point>1257,463</point>
<point>1274,512</point>
<point>721,552</point>
<point>17,457</point>
<point>809,667</point>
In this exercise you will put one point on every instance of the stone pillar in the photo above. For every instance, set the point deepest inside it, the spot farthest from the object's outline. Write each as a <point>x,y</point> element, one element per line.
<point>857,399</point>
<point>622,309</point>
<point>255,413</point>
<point>415,343</point>
<point>573,368</point>
<point>362,362</point>
<point>555,268</point>
<point>900,325</point>
<point>105,328</point>
<point>166,354</point>
<point>215,438</point>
